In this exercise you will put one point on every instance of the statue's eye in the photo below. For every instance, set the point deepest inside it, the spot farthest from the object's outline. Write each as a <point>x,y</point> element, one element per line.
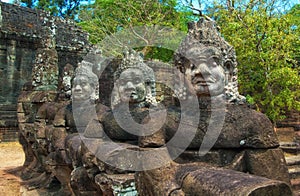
<point>122,82</point>
<point>83,83</point>
<point>137,80</point>
<point>213,62</point>
<point>193,66</point>
<point>218,61</point>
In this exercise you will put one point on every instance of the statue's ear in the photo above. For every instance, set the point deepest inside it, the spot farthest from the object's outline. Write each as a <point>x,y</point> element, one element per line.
<point>148,90</point>
<point>115,97</point>
<point>229,68</point>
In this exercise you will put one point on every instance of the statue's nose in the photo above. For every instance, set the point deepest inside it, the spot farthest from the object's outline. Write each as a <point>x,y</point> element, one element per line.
<point>202,69</point>
<point>77,87</point>
<point>129,85</point>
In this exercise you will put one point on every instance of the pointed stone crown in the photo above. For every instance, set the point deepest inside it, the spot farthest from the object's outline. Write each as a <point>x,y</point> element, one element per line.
<point>133,59</point>
<point>202,35</point>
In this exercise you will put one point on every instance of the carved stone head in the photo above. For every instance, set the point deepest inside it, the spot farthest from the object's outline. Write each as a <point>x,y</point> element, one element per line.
<point>134,81</point>
<point>208,61</point>
<point>85,83</point>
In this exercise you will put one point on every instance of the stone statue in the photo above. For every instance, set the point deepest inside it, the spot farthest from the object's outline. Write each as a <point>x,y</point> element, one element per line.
<point>135,86</point>
<point>84,145</point>
<point>209,62</point>
<point>39,108</point>
<point>134,90</point>
<point>65,137</point>
<point>244,142</point>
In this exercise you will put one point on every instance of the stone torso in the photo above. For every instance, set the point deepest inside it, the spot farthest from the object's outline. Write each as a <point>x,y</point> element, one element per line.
<point>113,129</point>
<point>242,128</point>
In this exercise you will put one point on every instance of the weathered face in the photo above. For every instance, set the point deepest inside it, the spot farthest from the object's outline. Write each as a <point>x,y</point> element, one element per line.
<point>81,88</point>
<point>131,86</point>
<point>207,75</point>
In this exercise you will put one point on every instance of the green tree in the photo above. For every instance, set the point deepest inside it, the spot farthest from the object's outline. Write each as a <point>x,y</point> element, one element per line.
<point>62,8</point>
<point>266,38</point>
<point>107,17</point>
<point>295,15</point>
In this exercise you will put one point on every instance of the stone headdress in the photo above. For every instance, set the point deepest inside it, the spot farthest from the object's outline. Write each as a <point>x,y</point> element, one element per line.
<point>133,59</point>
<point>204,38</point>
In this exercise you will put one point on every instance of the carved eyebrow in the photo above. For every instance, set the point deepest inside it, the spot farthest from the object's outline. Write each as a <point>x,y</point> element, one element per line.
<point>196,60</point>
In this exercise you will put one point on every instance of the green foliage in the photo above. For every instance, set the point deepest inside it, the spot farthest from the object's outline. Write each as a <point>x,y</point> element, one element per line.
<point>267,44</point>
<point>62,8</point>
<point>107,17</point>
<point>294,14</point>
<point>162,54</point>
<point>250,100</point>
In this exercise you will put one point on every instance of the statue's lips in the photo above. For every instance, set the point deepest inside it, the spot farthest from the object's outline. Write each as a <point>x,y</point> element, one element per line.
<point>130,93</point>
<point>78,94</point>
<point>203,82</point>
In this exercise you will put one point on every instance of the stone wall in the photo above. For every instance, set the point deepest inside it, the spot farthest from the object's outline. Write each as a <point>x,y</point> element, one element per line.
<point>292,121</point>
<point>288,131</point>
<point>22,31</point>
<point>16,59</point>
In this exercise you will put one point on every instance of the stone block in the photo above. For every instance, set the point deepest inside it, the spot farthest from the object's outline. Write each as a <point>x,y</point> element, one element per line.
<point>294,172</point>
<point>258,163</point>
<point>28,107</point>
<point>286,134</point>
<point>29,132</point>
<point>21,127</point>
<point>293,160</point>
<point>43,96</point>
<point>116,184</point>
<point>215,157</point>
<point>53,108</point>
<point>42,111</point>
<point>24,97</point>
<point>59,120</point>
<point>20,108</point>
<point>49,131</point>
<point>40,129</point>
<point>81,183</point>
<point>290,147</point>
<point>210,181</point>
<point>22,118</point>
<point>58,137</point>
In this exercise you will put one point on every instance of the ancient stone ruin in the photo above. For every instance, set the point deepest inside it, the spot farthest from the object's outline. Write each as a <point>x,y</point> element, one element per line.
<point>88,132</point>
<point>27,38</point>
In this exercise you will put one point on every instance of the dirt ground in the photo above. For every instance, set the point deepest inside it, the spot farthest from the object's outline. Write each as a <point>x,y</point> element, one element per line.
<point>11,161</point>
